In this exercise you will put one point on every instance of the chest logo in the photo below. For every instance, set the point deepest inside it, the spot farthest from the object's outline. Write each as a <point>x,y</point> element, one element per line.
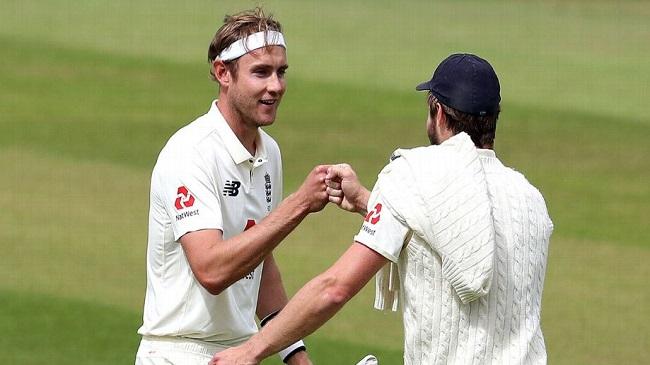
<point>267,187</point>
<point>184,198</point>
<point>231,188</point>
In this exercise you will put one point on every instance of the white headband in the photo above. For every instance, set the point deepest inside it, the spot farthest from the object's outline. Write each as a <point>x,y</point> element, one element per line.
<point>252,42</point>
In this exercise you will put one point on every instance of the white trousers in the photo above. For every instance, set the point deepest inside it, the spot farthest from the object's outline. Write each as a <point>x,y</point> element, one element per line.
<point>174,351</point>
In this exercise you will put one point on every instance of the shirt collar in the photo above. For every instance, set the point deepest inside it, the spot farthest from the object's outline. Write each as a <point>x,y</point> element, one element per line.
<point>233,145</point>
<point>489,158</point>
<point>486,152</point>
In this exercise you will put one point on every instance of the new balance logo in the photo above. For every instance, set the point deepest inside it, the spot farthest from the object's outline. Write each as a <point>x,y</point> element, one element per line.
<point>231,188</point>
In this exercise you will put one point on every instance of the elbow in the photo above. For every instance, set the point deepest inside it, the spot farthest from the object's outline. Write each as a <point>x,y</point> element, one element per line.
<point>335,295</point>
<point>215,284</point>
<point>336,299</point>
<point>214,289</point>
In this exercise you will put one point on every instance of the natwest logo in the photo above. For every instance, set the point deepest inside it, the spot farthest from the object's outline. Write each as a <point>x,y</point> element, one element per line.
<point>374,215</point>
<point>184,199</point>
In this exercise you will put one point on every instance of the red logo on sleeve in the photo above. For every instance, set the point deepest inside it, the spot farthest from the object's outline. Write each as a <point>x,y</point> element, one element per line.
<point>249,224</point>
<point>373,216</point>
<point>184,200</point>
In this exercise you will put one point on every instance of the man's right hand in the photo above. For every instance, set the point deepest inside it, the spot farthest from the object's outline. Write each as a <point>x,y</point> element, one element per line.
<point>312,193</point>
<point>345,190</point>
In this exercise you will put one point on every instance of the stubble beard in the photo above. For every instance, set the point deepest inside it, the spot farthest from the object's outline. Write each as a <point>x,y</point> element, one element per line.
<point>246,108</point>
<point>433,137</point>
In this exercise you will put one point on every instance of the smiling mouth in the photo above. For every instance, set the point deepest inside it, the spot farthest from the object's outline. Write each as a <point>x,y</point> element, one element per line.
<point>268,101</point>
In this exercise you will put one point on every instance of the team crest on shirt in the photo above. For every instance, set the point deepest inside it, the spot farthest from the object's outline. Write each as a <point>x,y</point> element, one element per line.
<point>267,187</point>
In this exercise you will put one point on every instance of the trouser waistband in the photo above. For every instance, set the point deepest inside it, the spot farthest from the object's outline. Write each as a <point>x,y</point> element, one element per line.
<point>183,344</point>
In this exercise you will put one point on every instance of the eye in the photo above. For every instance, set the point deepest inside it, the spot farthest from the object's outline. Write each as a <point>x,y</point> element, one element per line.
<point>260,72</point>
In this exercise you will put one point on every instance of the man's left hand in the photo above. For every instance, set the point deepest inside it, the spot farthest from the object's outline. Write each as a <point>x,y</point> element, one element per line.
<point>240,356</point>
<point>233,356</point>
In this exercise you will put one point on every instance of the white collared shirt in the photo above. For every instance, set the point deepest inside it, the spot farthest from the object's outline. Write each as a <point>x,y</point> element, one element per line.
<point>205,179</point>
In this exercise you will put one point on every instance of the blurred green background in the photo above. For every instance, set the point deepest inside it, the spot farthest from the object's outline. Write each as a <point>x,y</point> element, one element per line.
<point>91,90</point>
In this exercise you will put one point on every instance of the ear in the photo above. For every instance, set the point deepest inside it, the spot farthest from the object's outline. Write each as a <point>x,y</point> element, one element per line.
<point>221,73</point>
<point>441,117</point>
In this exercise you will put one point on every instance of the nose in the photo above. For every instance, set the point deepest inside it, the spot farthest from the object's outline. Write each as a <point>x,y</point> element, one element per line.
<point>276,84</point>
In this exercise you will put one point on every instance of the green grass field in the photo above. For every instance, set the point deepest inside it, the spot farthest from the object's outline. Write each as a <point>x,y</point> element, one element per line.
<point>90,91</point>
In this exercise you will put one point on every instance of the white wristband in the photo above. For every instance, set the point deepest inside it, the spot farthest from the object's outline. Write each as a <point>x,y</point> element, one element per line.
<point>291,350</point>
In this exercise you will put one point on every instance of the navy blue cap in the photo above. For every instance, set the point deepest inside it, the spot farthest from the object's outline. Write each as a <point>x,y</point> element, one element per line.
<point>466,83</point>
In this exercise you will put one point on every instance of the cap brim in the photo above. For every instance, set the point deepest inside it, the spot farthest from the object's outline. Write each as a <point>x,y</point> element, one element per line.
<point>424,86</point>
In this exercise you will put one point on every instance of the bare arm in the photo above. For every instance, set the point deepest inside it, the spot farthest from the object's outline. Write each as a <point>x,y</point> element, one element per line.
<point>272,296</point>
<point>311,307</point>
<point>217,263</point>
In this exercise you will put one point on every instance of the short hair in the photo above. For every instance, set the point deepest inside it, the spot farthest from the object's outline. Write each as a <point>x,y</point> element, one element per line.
<point>236,27</point>
<point>481,129</point>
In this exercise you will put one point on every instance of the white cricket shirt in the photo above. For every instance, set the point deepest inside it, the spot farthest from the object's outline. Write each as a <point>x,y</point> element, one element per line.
<point>205,179</point>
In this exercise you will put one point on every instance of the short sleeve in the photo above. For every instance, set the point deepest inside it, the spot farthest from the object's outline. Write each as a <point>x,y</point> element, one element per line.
<point>381,231</point>
<point>189,195</point>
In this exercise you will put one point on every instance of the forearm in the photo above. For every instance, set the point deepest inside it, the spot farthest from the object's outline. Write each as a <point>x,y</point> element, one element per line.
<point>241,254</point>
<point>309,309</point>
<point>318,301</point>
<point>312,306</point>
<point>272,296</point>
<point>218,263</point>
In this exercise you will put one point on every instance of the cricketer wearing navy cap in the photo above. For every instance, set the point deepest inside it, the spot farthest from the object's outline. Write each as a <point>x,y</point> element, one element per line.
<point>466,89</point>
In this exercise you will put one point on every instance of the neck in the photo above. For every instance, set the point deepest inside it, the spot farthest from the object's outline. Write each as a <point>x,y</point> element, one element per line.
<point>244,133</point>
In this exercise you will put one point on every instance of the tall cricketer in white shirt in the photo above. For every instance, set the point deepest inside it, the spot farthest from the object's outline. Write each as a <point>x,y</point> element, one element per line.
<point>216,213</point>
